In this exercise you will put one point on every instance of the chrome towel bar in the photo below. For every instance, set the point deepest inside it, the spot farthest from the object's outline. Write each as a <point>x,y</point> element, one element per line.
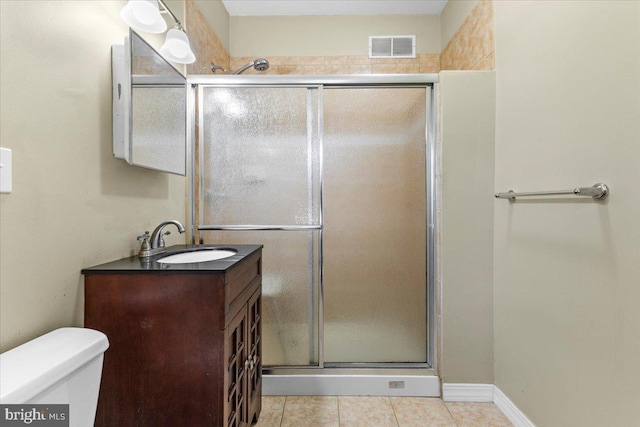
<point>597,191</point>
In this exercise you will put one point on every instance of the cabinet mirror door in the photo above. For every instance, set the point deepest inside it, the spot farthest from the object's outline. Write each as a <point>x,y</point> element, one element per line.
<point>150,104</point>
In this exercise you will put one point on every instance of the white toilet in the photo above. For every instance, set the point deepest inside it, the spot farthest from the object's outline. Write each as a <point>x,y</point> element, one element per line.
<point>61,367</point>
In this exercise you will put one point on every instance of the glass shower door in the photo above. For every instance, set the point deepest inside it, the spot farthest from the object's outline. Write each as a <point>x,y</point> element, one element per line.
<point>332,180</point>
<point>374,235</point>
<point>259,165</point>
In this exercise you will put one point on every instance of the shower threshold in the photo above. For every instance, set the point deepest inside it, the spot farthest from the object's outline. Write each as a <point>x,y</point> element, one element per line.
<point>343,381</point>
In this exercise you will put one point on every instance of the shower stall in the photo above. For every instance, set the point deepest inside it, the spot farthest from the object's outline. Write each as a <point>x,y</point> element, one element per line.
<point>335,177</point>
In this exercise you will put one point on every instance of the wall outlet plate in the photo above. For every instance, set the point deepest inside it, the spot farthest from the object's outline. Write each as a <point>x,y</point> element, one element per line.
<point>6,184</point>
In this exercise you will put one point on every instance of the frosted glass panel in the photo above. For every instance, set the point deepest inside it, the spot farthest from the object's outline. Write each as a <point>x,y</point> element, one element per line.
<point>289,292</point>
<point>158,128</point>
<point>260,156</point>
<point>374,238</point>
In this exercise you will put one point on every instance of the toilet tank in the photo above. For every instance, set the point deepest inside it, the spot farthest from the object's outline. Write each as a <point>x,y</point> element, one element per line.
<point>61,367</point>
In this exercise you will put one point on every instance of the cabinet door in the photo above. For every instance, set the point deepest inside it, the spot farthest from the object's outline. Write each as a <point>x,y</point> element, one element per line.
<point>235,351</point>
<point>254,374</point>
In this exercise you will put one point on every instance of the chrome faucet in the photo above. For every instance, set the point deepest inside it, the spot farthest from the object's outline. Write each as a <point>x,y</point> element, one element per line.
<point>154,244</point>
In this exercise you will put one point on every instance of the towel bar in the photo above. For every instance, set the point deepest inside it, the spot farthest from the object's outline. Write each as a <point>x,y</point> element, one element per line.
<point>597,191</point>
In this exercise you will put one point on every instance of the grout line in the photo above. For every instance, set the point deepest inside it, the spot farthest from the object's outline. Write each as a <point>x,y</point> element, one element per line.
<point>394,411</point>
<point>282,413</point>
<point>450,413</point>
<point>338,404</point>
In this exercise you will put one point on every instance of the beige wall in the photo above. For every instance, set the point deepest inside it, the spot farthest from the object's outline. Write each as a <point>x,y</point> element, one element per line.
<point>332,44</point>
<point>342,50</point>
<point>452,17</point>
<point>217,17</point>
<point>326,35</point>
<point>73,205</point>
<point>567,271</point>
<point>467,132</point>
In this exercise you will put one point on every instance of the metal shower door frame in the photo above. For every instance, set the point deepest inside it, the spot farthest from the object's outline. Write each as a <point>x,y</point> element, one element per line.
<point>196,83</point>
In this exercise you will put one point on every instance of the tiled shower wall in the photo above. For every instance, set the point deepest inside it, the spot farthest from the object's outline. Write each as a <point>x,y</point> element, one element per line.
<point>344,64</point>
<point>204,42</point>
<point>471,48</point>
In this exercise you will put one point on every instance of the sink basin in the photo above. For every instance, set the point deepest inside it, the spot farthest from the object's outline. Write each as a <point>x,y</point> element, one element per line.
<point>202,255</point>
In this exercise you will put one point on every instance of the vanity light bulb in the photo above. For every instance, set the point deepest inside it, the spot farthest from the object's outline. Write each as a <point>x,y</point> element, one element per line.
<point>144,11</point>
<point>176,48</point>
<point>178,51</point>
<point>144,15</point>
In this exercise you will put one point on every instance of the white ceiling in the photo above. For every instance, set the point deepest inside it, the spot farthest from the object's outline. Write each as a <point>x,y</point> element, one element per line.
<point>332,7</point>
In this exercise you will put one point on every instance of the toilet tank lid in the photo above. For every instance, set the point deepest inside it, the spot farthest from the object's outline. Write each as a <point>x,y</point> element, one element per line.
<point>36,365</point>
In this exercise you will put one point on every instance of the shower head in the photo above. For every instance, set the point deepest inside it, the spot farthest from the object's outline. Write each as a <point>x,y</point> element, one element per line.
<point>259,64</point>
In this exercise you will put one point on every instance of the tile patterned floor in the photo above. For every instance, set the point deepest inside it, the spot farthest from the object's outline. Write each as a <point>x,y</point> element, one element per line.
<point>370,411</point>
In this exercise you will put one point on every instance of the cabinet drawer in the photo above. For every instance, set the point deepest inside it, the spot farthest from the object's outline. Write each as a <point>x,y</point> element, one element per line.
<point>241,280</point>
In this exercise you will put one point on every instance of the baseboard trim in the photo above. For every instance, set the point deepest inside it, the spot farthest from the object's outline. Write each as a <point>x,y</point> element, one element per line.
<point>510,410</point>
<point>467,392</point>
<point>486,393</point>
<point>351,385</point>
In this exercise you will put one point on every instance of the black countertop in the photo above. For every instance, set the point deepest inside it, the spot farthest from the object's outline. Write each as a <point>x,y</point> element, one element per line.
<point>136,265</point>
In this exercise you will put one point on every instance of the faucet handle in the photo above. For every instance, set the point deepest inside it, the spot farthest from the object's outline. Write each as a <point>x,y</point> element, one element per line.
<point>161,243</point>
<point>145,248</point>
<point>145,241</point>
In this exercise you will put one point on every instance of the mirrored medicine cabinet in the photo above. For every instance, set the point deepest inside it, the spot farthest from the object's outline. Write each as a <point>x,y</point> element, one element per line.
<point>149,107</point>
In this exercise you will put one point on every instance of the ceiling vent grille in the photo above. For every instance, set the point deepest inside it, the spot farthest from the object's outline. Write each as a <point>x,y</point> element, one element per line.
<point>392,46</point>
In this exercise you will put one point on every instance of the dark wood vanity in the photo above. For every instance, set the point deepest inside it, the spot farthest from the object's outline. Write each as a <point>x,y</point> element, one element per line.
<point>185,340</point>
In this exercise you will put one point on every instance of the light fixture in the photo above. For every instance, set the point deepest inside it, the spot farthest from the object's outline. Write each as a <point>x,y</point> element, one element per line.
<point>176,47</point>
<point>145,15</point>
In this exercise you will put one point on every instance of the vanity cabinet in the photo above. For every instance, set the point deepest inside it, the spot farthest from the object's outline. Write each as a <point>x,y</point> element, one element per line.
<point>243,376</point>
<point>185,344</point>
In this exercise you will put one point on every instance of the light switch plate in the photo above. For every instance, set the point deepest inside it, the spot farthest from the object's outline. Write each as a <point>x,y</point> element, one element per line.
<point>5,170</point>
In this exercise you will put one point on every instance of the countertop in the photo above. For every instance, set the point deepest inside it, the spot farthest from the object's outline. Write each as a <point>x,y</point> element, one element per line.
<point>136,265</point>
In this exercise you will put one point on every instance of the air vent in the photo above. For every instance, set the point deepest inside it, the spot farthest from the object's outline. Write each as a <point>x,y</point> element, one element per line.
<point>392,47</point>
